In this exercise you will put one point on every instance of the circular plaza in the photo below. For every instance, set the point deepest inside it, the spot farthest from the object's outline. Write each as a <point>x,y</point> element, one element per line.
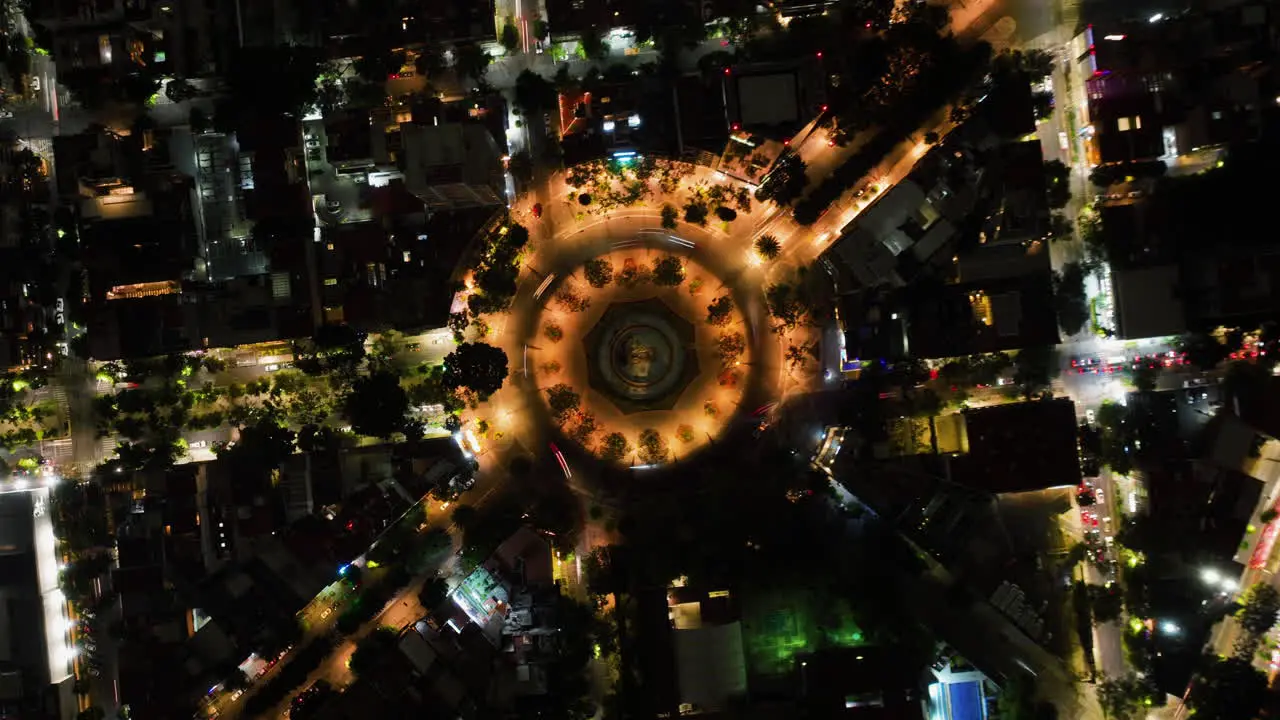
<point>640,353</point>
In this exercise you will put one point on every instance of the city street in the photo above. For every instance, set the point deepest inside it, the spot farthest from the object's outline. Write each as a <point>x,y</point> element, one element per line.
<point>400,610</point>
<point>563,240</point>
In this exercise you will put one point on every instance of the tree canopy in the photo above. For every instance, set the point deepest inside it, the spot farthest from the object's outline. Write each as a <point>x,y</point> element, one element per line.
<point>668,271</point>
<point>786,183</point>
<point>1261,606</point>
<point>333,348</point>
<point>1228,689</point>
<point>1069,298</point>
<point>377,405</point>
<point>1035,368</point>
<point>371,651</point>
<point>1125,698</point>
<point>534,93</point>
<point>293,68</point>
<point>720,311</point>
<point>471,60</point>
<point>768,247</point>
<point>563,401</point>
<point>476,366</point>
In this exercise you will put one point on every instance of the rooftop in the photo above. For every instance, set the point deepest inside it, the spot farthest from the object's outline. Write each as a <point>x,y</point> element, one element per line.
<point>1020,447</point>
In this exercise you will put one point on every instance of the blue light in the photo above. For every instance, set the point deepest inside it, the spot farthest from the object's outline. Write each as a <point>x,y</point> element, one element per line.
<point>342,571</point>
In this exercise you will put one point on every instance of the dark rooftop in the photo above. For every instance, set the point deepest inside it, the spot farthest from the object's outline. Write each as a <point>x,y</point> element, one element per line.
<point>1020,447</point>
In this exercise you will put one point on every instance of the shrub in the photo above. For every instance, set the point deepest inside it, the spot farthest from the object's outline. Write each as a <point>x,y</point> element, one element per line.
<point>720,311</point>
<point>553,332</point>
<point>669,216</point>
<point>570,300</point>
<point>598,271</point>
<point>653,449</point>
<point>614,447</point>
<point>685,433</point>
<point>730,346</point>
<point>695,213</point>
<point>563,401</point>
<point>668,271</point>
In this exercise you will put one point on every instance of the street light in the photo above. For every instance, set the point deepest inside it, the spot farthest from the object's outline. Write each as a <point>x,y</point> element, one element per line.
<point>1170,628</point>
<point>1210,576</point>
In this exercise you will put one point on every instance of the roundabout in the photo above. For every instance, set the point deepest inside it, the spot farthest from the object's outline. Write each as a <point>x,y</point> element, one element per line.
<point>626,360</point>
<point>640,333</point>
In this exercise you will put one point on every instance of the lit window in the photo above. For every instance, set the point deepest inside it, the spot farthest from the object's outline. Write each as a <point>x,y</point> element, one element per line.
<point>1123,124</point>
<point>104,49</point>
<point>330,282</point>
<point>1137,122</point>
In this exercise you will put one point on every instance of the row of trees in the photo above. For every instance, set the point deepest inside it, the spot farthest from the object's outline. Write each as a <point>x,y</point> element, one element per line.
<point>292,411</point>
<point>1070,301</point>
<point>566,408</point>
<point>497,269</point>
<point>921,73</point>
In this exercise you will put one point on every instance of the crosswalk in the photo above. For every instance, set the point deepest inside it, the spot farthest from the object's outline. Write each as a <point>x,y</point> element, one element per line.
<point>107,446</point>
<point>59,451</point>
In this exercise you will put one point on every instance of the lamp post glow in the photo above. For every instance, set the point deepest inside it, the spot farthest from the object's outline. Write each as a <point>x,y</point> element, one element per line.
<point>1219,581</point>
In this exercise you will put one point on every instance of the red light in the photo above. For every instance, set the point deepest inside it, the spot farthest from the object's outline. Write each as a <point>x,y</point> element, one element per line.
<point>736,126</point>
<point>726,71</point>
<point>787,142</point>
<point>819,54</point>
<point>824,108</point>
<point>351,525</point>
<point>868,24</point>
